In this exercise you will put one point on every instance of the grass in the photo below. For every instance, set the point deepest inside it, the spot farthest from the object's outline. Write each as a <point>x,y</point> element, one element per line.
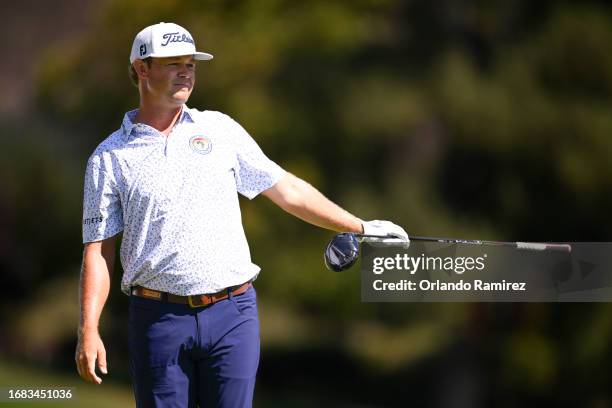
<point>108,394</point>
<point>88,395</point>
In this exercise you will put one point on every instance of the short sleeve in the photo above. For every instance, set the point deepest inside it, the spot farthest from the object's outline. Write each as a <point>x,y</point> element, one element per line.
<point>102,214</point>
<point>254,171</point>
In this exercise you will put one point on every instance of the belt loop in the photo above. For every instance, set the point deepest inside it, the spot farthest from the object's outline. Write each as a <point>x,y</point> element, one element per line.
<point>229,293</point>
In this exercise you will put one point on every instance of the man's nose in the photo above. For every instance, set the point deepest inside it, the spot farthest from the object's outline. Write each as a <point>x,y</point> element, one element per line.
<point>184,71</point>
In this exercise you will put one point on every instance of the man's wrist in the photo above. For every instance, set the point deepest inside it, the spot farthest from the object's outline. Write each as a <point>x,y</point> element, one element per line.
<point>85,330</point>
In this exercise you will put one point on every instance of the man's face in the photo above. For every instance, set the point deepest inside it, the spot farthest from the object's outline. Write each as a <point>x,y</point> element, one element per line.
<point>169,79</point>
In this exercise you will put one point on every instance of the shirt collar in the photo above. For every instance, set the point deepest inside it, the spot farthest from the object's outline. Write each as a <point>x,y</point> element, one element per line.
<point>128,120</point>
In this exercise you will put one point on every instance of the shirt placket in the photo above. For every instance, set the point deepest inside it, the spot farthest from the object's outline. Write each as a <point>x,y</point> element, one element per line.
<point>171,143</point>
<point>168,146</point>
<point>170,155</point>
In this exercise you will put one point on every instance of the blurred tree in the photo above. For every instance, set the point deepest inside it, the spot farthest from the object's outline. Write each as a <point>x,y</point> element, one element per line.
<point>473,119</point>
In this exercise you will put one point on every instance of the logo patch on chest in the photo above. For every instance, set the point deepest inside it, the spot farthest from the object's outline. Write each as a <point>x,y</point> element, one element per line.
<point>200,144</point>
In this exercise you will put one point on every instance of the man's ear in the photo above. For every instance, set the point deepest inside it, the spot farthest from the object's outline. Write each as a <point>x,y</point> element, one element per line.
<point>141,68</point>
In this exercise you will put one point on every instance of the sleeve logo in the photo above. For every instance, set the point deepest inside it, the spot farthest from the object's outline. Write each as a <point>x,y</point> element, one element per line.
<point>92,220</point>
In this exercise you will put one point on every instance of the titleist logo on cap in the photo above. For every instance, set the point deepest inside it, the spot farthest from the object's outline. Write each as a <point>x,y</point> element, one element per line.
<point>175,37</point>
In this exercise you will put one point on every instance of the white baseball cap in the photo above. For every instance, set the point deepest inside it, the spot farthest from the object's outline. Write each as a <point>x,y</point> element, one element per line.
<point>165,40</point>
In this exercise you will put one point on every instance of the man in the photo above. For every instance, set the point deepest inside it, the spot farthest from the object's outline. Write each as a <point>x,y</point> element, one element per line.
<point>168,179</point>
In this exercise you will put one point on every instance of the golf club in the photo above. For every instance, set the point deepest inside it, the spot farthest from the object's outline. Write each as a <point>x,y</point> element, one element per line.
<point>343,250</point>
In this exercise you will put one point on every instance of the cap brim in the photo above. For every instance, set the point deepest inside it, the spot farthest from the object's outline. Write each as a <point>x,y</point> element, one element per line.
<point>202,56</point>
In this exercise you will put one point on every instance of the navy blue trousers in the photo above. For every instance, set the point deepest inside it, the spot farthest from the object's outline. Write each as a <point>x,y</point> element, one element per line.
<point>184,357</point>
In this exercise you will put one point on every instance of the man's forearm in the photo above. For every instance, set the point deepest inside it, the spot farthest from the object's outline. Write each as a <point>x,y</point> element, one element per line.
<point>302,200</point>
<point>94,288</point>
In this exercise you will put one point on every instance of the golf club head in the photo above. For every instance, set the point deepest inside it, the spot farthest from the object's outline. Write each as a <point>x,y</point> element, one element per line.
<point>341,252</point>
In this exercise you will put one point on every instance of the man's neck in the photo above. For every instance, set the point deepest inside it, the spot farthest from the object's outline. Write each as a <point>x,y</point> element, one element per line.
<point>162,119</point>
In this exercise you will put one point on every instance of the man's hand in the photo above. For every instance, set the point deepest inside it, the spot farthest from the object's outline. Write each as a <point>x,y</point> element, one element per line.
<point>385,228</point>
<point>89,350</point>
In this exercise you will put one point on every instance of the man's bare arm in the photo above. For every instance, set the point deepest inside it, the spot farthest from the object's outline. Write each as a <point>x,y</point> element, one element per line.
<point>96,273</point>
<point>302,200</point>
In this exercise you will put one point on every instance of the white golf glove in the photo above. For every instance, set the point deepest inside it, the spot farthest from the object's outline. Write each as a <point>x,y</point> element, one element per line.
<point>395,233</point>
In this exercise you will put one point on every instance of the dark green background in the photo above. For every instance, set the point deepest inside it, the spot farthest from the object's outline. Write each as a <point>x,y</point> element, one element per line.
<point>472,119</point>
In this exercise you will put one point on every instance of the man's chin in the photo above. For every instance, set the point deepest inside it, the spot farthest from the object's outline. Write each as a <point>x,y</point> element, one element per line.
<point>181,97</point>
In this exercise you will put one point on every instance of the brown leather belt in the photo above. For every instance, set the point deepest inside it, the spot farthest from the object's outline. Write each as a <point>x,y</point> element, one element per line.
<point>193,300</point>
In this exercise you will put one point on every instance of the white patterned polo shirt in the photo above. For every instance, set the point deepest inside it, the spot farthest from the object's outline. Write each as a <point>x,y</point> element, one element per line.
<point>175,199</point>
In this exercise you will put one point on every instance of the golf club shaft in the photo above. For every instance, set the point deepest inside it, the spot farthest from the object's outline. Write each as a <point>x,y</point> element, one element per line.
<point>530,246</point>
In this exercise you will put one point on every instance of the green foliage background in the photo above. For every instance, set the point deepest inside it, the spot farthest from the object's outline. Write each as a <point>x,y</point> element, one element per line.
<point>468,119</point>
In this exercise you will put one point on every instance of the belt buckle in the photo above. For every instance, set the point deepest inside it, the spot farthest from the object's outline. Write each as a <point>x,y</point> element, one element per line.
<point>196,301</point>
